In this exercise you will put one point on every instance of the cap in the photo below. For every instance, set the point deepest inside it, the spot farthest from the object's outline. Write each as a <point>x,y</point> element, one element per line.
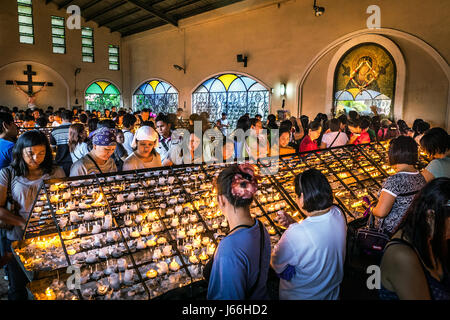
<point>145,133</point>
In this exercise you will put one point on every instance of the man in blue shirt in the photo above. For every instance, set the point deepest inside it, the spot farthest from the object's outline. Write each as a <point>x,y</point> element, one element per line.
<point>8,136</point>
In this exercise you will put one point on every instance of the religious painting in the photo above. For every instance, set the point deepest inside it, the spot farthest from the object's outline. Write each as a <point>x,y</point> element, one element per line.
<point>364,80</point>
<point>102,95</point>
<point>233,94</point>
<point>156,95</point>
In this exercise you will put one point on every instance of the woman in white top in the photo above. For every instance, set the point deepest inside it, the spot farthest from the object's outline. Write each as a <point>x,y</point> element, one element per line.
<point>77,141</point>
<point>309,258</point>
<point>144,156</point>
<point>334,137</point>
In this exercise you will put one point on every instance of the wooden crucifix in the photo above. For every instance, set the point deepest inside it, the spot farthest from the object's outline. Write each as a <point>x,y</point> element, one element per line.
<point>31,96</point>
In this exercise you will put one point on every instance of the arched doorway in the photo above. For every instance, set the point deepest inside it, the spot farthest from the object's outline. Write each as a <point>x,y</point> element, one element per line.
<point>156,95</point>
<point>233,94</point>
<point>101,95</point>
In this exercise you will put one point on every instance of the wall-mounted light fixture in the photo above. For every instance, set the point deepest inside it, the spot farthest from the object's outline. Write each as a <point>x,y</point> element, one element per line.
<point>282,89</point>
<point>242,58</point>
<point>179,68</point>
<point>318,11</point>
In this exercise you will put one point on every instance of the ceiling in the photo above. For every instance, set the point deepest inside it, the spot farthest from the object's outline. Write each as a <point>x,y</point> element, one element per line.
<point>133,16</point>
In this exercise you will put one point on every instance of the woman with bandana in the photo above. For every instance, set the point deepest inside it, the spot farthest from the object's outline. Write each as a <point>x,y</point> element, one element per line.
<point>99,160</point>
<point>241,262</point>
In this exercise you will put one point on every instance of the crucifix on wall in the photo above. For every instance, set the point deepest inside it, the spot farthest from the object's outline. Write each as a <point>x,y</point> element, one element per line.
<point>31,96</point>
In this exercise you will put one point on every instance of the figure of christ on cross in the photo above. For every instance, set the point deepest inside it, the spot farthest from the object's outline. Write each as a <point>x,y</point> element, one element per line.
<point>31,98</point>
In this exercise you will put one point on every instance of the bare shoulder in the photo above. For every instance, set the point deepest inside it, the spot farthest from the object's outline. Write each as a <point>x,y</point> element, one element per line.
<point>399,257</point>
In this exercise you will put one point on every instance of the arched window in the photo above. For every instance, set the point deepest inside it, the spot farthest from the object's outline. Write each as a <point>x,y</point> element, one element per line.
<point>364,77</point>
<point>102,95</point>
<point>157,95</point>
<point>233,94</point>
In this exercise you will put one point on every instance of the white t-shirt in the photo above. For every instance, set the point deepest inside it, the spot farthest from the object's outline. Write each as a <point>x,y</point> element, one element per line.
<point>79,152</point>
<point>133,162</point>
<point>341,140</point>
<point>316,248</point>
<point>56,124</point>
<point>128,138</point>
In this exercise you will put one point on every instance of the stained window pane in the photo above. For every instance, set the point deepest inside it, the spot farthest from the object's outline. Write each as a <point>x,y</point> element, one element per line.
<point>24,1</point>
<point>114,67</point>
<point>87,50</point>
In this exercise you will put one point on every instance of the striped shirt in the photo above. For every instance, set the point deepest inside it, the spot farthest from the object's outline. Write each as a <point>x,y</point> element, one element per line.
<point>59,138</point>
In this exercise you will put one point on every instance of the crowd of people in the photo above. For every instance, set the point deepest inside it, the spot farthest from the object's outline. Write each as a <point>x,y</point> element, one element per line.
<point>413,207</point>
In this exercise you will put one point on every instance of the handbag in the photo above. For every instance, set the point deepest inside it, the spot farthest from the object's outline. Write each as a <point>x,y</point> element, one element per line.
<point>370,239</point>
<point>10,204</point>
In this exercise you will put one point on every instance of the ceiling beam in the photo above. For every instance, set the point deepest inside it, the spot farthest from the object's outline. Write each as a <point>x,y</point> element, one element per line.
<point>106,10</point>
<point>127,24</point>
<point>180,5</point>
<point>89,4</point>
<point>155,12</point>
<point>118,16</point>
<point>144,28</point>
<point>206,8</point>
<point>65,4</point>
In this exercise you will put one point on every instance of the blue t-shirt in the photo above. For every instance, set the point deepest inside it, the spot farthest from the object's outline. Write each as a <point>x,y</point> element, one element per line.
<point>236,265</point>
<point>5,153</point>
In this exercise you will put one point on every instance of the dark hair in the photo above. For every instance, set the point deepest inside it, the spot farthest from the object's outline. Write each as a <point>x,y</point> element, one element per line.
<point>224,185</point>
<point>304,120</point>
<point>364,123</point>
<point>254,121</point>
<point>403,127</point>
<point>285,125</point>
<point>404,150</point>
<point>92,124</point>
<point>163,118</point>
<point>30,139</point>
<point>315,125</point>
<point>148,123</point>
<point>108,123</point>
<point>42,122</point>
<point>353,123</point>
<point>316,190</point>
<point>435,140</point>
<point>128,120</point>
<point>258,115</point>
<point>334,124</point>
<point>434,196</point>
<point>353,115</point>
<point>243,123</point>
<point>67,115</point>
<point>83,118</point>
<point>421,128</point>
<point>272,124</point>
<point>6,118</point>
<point>415,124</point>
